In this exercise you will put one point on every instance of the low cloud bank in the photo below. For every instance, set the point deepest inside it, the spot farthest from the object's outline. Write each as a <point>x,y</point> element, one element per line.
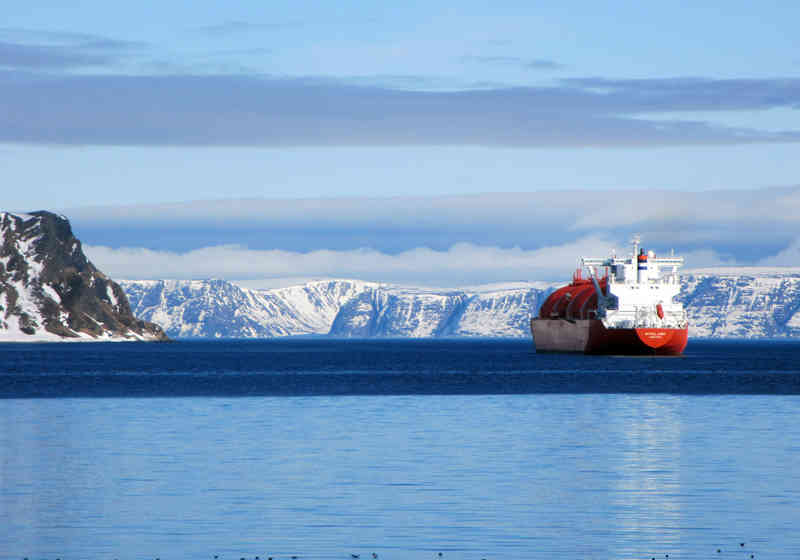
<point>790,256</point>
<point>736,226</point>
<point>462,264</point>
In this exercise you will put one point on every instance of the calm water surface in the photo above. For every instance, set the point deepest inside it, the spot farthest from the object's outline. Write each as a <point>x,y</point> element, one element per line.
<point>125,451</point>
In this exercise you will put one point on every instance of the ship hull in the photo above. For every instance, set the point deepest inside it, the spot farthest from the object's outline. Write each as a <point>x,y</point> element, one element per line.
<point>590,336</point>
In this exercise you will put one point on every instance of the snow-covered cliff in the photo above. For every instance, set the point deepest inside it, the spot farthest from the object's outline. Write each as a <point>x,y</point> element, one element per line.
<point>341,308</point>
<point>748,303</point>
<point>220,309</point>
<point>50,291</point>
<point>742,303</point>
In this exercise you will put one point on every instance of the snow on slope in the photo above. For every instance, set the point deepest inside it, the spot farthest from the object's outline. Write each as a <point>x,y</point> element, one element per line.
<point>316,304</point>
<point>738,304</point>
<point>728,304</point>
<point>388,312</point>
<point>504,313</point>
<point>49,291</point>
<point>220,309</point>
<point>22,293</point>
<point>341,308</point>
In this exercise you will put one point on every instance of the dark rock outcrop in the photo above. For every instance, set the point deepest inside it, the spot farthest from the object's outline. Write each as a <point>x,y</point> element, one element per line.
<point>49,290</point>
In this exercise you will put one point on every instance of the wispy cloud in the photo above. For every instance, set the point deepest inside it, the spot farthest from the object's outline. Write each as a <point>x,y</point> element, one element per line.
<point>208,104</point>
<point>691,93</point>
<point>233,27</point>
<point>238,52</point>
<point>47,57</point>
<point>270,111</point>
<point>66,38</point>
<point>530,63</point>
<point>542,64</point>
<point>25,49</point>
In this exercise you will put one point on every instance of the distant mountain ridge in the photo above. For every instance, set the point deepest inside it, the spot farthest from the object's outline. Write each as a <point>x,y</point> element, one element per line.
<point>221,309</point>
<point>50,291</point>
<point>730,304</point>
<point>742,303</point>
<point>339,308</point>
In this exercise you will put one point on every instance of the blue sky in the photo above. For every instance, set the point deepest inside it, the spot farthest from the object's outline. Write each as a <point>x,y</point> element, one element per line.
<point>153,104</point>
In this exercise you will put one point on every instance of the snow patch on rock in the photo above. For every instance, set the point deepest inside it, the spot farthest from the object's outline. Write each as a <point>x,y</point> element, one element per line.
<point>45,287</point>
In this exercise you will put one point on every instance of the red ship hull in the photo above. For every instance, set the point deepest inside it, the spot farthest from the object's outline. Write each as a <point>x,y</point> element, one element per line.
<point>591,337</point>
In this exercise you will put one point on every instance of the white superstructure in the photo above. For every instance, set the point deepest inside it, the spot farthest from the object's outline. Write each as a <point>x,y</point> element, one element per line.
<point>641,290</point>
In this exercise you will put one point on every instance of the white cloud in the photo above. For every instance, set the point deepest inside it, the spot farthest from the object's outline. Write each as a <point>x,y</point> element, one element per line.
<point>790,256</point>
<point>453,240</point>
<point>705,258</point>
<point>462,264</point>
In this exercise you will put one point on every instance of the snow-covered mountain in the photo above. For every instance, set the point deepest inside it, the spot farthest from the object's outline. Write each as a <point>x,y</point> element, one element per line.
<point>50,291</point>
<point>220,309</point>
<point>742,303</point>
<point>340,308</point>
<point>746,303</point>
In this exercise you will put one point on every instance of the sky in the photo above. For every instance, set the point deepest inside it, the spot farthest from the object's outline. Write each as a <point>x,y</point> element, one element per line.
<point>446,143</point>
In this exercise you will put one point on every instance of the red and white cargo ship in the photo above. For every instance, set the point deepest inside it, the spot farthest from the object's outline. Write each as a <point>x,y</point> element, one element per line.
<point>631,309</point>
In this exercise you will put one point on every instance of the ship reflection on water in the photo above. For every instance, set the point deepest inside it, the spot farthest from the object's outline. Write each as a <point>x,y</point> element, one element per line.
<point>647,491</point>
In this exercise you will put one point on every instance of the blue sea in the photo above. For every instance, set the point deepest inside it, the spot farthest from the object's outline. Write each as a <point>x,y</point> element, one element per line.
<point>406,449</point>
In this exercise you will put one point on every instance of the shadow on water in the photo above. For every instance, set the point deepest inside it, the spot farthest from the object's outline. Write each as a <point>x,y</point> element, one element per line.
<point>311,367</point>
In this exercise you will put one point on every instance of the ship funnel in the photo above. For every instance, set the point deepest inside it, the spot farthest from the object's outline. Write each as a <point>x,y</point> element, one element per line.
<point>637,239</point>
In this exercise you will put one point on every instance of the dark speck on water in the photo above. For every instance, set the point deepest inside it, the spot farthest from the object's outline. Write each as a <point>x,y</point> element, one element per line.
<point>459,449</point>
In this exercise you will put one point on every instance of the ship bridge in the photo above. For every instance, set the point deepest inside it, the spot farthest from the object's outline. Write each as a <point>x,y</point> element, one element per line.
<point>639,267</point>
<point>639,289</point>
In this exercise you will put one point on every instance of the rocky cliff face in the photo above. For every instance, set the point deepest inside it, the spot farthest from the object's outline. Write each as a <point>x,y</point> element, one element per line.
<point>50,291</point>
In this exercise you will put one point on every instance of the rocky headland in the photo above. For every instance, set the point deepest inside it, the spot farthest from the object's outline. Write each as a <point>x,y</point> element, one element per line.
<point>49,290</point>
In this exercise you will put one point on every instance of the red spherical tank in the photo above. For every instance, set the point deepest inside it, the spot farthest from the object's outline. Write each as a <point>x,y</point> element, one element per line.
<point>577,300</point>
